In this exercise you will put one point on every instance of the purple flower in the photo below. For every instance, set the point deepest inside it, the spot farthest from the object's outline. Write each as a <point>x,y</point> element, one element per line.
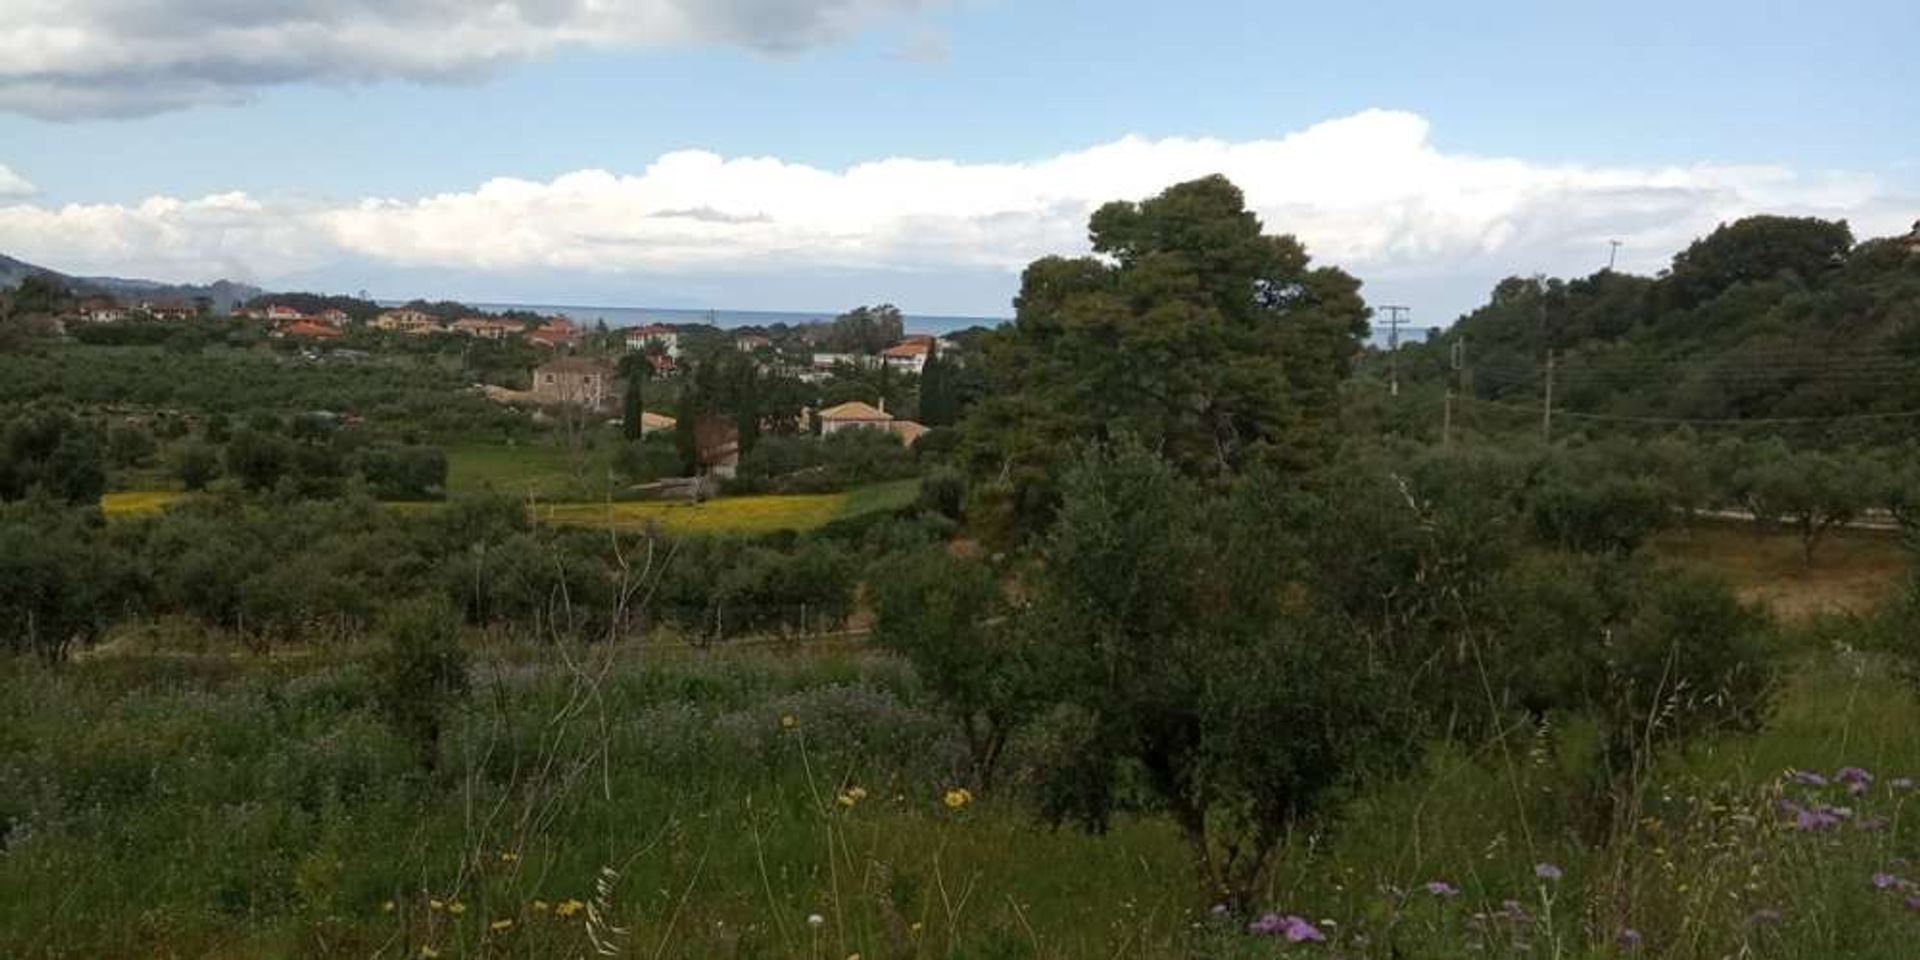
<point>1628,940</point>
<point>1913,903</point>
<point>1546,871</point>
<point>1441,888</point>
<point>1886,881</point>
<point>1299,930</point>
<point>1294,928</point>
<point>1821,817</point>
<point>1809,778</point>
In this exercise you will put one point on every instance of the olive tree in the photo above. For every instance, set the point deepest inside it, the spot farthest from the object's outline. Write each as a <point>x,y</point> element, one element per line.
<point>1184,664</point>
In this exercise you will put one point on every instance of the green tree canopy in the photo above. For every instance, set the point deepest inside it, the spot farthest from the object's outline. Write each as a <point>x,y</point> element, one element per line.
<point>1213,342</point>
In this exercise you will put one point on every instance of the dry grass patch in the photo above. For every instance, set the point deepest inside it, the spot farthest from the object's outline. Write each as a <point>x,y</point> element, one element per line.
<point>1853,570</point>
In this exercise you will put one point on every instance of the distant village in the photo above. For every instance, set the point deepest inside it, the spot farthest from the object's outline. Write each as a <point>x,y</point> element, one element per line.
<point>582,369</point>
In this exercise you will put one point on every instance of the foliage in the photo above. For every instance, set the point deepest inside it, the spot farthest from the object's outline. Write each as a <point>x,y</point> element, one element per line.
<point>1184,662</point>
<point>404,473</point>
<point>60,586</point>
<point>50,451</point>
<point>421,673</point>
<point>837,461</point>
<point>1812,491</point>
<point>948,618</point>
<point>866,329</point>
<point>1213,342</point>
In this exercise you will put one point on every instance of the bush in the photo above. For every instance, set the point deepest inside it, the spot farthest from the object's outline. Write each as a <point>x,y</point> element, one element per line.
<point>421,674</point>
<point>196,464</point>
<point>405,473</point>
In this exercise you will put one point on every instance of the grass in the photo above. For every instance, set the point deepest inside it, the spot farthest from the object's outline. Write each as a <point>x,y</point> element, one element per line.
<point>1853,570</point>
<point>540,470</point>
<point>233,808</point>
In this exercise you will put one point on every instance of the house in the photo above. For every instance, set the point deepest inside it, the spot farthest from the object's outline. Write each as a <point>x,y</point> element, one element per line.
<point>651,422</point>
<point>855,415</point>
<point>170,310</point>
<point>575,381</point>
<point>306,330</point>
<point>333,317</point>
<point>555,333</point>
<point>404,320</point>
<point>101,310</point>
<point>485,328</point>
<point>909,355</point>
<point>752,343</point>
<point>277,313</point>
<point>654,334</point>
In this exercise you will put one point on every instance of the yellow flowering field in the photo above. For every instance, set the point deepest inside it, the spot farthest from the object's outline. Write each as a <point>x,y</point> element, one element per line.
<point>722,517</point>
<point>138,503</point>
<point>734,516</point>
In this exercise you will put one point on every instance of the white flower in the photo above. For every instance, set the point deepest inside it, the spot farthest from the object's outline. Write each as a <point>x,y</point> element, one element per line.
<point>815,920</point>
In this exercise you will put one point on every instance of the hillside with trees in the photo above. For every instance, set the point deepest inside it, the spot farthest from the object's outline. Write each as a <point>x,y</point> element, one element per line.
<point>1766,318</point>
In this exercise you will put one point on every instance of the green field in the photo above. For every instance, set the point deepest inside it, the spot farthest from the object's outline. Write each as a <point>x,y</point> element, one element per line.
<point>537,470</point>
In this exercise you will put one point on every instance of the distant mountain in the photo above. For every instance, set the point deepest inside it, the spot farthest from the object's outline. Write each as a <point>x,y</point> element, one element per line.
<point>224,293</point>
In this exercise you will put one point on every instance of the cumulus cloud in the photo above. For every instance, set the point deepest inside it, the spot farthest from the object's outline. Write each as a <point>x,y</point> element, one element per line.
<point>13,184</point>
<point>1369,192</point>
<point>63,59</point>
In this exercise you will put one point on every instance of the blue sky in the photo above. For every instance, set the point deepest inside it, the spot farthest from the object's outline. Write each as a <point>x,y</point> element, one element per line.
<point>1647,121</point>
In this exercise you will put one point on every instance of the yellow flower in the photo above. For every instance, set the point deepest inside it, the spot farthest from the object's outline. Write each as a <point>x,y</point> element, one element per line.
<point>857,793</point>
<point>916,927</point>
<point>387,907</point>
<point>789,722</point>
<point>568,908</point>
<point>428,952</point>
<point>508,856</point>
<point>539,906</point>
<point>500,926</point>
<point>958,797</point>
<point>456,908</point>
<point>436,905</point>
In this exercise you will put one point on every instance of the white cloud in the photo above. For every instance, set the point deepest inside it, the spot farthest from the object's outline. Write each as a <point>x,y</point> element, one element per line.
<point>63,59</point>
<point>1369,192</point>
<point>13,184</point>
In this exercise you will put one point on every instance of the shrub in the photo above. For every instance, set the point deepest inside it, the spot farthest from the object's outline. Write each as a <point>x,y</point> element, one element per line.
<point>421,674</point>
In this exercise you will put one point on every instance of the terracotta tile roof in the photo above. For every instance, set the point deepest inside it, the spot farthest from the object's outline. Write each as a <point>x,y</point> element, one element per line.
<point>854,410</point>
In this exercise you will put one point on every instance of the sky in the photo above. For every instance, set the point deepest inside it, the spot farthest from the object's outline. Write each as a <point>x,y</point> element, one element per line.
<point>817,154</point>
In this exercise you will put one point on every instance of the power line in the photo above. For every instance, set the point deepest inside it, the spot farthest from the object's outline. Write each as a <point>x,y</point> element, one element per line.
<point>1700,421</point>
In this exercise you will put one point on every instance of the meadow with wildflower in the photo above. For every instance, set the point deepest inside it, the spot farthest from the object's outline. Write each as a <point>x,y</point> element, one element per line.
<point>750,802</point>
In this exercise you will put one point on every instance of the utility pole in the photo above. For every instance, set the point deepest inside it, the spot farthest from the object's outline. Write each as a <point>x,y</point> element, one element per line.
<point>1546,409</point>
<point>1613,250</point>
<point>1457,356</point>
<point>1395,317</point>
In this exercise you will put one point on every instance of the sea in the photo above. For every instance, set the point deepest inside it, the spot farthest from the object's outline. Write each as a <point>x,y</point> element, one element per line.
<point>617,317</point>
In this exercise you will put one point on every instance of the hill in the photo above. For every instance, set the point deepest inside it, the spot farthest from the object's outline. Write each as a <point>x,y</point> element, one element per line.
<point>1767,318</point>
<point>224,293</point>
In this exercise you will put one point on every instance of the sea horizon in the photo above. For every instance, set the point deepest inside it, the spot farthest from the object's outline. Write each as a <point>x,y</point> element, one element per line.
<point>726,319</point>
